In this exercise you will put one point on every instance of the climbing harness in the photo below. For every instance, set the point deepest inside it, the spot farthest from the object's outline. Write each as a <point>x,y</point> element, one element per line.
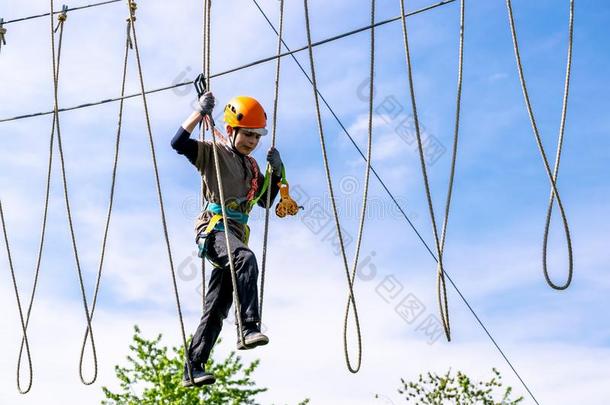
<point>439,243</point>
<point>233,208</point>
<point>552,176</point>
<point>216,224</point>
<point>350,278</point>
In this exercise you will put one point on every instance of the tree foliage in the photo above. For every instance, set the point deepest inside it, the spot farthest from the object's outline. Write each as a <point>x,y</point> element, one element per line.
<point>154,375</point>
<point>459,389</point>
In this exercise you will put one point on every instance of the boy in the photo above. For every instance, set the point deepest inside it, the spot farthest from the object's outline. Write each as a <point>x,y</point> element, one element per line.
<point>242,181</point>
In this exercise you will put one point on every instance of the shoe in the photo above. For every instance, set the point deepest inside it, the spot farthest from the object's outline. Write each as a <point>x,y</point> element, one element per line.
<point>200,377</point>
<point>252,337</point>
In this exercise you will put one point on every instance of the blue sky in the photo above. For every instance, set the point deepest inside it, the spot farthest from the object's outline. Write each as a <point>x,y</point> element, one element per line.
<point>493,250</point>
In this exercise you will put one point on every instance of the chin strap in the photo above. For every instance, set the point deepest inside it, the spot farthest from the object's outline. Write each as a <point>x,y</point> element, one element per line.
<point>232,139</point>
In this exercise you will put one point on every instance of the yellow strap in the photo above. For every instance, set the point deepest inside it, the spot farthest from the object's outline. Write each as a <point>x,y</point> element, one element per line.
<point>246,234</point>
<point>212,223</point>
<point>217,218</point>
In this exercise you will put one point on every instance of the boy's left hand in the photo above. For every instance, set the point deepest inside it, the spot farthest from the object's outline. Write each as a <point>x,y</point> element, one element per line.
<point>205,104</point>
<point>275,161</point>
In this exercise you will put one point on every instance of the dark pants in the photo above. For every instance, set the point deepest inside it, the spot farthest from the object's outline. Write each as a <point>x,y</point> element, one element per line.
<point>219,295</point>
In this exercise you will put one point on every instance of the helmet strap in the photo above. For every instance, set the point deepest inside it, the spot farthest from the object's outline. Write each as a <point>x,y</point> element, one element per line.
<point>233,139</point>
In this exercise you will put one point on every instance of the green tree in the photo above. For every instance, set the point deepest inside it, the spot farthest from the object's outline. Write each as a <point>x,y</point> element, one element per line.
<point>154,376</point>
<point>434,389</point>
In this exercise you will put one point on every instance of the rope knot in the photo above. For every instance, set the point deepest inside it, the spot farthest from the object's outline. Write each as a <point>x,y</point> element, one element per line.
<point>62,17</point>
<point>2,33</point>
<point>132,11</point>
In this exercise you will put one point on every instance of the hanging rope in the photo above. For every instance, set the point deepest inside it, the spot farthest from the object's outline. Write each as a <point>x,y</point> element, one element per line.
<point>62,18</point>
<point>128,45</point>
<point>400,209</point>
<point>23,323</point>
<point>366,175</point>
<point>440,285</point>
<point>439,243</point>
<point>221,189</point>
<point>132,18</point>
<point>40,246</point>
<point>268,170</point>
<point>333,202</point>
<point>207,42</point>
<point>42,236</point>
<point>552,176</point>
<point>205,69</point>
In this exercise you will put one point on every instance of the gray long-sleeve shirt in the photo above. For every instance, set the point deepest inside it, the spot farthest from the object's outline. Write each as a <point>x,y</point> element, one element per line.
<point>237,173</point>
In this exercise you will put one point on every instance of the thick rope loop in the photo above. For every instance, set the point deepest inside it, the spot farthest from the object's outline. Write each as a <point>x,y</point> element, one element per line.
<point>551,175</point>
<point>67,199</point>
<point>24,342</point>
<point>158,185</point>
<point>366,176</point>
<point>439,242</point>
<point>350,282</point>
<point>23,322</point>
<point>268,169</point>
<point>111,198</point>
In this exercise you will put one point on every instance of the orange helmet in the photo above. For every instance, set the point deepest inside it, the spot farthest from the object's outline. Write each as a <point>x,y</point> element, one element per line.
<point>246,112</point>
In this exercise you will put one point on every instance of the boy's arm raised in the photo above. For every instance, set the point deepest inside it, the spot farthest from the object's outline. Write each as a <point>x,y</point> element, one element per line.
<point>182,142</point>
<point>191,122</point>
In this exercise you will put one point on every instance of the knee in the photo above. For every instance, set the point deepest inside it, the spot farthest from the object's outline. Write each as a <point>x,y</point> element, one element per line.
<point>246,260</point>
<point>215,314</point>
<point>217,317</point>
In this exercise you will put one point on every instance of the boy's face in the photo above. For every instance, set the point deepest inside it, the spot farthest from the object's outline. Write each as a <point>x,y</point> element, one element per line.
<point>246,141</point>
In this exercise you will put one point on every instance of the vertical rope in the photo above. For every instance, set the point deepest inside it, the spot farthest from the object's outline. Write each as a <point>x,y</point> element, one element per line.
<point>440,283</point>
<point>23,322</point>
<point>332,198</point>
<point>41,241</point>
<point>273,137</point>
<point>128,45</point>
<point>367,170</point>
<point>132,19</point>
<point>458,107</point>
<point>440,280</point>
<point>208,42</point>
<point>552,176</point>
<point>62,18</point>
<point>228,244</point>
<point>221,187</point>
<point>202,137</point>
